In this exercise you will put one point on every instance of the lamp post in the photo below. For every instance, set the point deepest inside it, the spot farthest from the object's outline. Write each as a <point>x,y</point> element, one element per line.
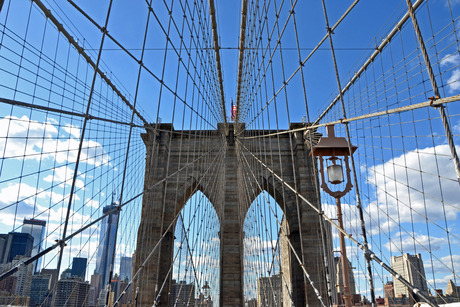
<point>338,150</point>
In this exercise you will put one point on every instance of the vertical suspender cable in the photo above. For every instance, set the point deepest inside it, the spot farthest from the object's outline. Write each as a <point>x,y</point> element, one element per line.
<point>426,58</point>
<point>109,282</point>
<point>80,146</point>
<point>355,179</point>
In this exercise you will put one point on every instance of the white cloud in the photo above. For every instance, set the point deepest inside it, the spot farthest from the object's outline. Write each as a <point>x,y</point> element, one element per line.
<point>21,191</point>
<point>73,130</point>
<point>419,243</point>
<point>205,261</point>
<point>22,136</point>
<point>64,176</point>
<point>92,203</point>
<point>445,264</point>
<point>408,185</point>
<point>451,59</point>
<point>456,128</point>
<point>453,82</point>
<point>256,246</point>
<point>29,139</point>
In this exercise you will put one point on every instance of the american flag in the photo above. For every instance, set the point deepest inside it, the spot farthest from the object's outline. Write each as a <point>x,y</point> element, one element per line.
<point>233,111</point>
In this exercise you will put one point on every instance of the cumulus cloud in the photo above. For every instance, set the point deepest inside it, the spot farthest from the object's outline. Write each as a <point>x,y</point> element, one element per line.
<point>92,203</point>
<point>451,61</point>
<point>409,188</point>
<point>256,246</point>
<point>444,264</point>
<point>453,82</point>
<point>72,130</point>
<point>64,175</point>
<point>25,138</point>
<point>418,243</point>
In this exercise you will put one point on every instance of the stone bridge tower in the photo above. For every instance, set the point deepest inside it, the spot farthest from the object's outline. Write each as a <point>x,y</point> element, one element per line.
<point>169,151</point>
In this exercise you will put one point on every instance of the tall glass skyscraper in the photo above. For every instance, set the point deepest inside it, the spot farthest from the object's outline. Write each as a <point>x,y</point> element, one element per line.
<point>106,244</point>
<point>36,228</point>
<point>79,267</point>
<point>126,264</point>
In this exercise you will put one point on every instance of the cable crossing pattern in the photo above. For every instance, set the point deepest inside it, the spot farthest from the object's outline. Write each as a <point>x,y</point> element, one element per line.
<point>221,153</point>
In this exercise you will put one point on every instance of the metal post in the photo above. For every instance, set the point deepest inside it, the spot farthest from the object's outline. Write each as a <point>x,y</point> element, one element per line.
<point>343,258</point>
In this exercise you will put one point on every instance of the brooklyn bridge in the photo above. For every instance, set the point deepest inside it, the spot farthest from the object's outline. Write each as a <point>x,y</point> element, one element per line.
<point>229,153</point>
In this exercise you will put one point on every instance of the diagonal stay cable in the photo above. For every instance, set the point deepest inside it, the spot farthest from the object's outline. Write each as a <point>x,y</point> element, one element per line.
<point>212,12</point>
<point>103,75</point>
<point>368,253</point>
<point>279,223</point>
<point>386,40</point>
<point>161,238</point>
<point>67,238</point>
<point>88,59</point>
<point>429,103</point>
<point>301,64</point>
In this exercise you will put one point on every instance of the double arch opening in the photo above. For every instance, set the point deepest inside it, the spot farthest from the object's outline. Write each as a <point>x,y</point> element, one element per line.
<point>197,256</point>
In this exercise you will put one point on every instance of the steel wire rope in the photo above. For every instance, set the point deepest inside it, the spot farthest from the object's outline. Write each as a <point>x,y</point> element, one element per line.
<point>256,202</point>
<point>81,144</point>
<point>109,282</point>
<point>443,114</point>
<point>310,140</point>
<point>180,155</point>
<point>268,48</point>
<point>81,51</point>
<point>153,160</point>
<point>184,236</point>
<point>83,228</point>
<point>311,53</point>
<point>293,162</point>
<point>386,40</point>
<point>250,65</point>
<point>290,245</point>
<point>153,249</point>
<point>439,181</point>
<point>174,259</point>
<point>175,49</point>
<point>190,251</point>
<point>16,86</point>
<point>370,254</point>
<point>408,205</point>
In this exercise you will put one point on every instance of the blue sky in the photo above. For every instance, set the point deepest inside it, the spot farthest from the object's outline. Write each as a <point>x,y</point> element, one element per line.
<point>398,155</point>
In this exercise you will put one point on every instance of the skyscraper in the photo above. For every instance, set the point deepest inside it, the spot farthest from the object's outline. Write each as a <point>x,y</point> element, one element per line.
<point>182,294</point>
<point>71,292</point>
<point>126,264</point>
<point>40,290</point>
<point>15,244</point>
<point>18,283</point>
<point>339,276</point>
<point>410,267</point>
<point>36,228</point>
<point>106,245</point>
<point>79,267</point>
<point>269,291</point>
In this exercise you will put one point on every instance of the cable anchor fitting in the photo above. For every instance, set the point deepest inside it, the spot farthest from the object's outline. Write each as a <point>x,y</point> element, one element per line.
<point>61,243</point>
<point>432,100</point>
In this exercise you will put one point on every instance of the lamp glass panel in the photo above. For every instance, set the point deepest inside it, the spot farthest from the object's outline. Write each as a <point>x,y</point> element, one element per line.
<point>335,173</point>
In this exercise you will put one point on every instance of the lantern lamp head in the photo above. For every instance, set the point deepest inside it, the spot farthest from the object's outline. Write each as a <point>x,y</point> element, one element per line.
<point>338,150</point>
<point>335,171</point>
